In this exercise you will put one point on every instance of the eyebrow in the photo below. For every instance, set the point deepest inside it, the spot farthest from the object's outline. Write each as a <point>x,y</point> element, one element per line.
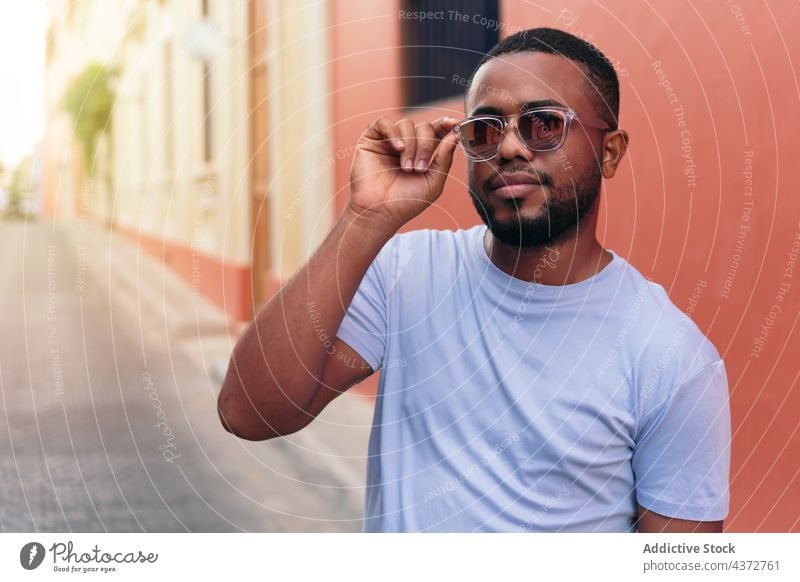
<point>491,110</point>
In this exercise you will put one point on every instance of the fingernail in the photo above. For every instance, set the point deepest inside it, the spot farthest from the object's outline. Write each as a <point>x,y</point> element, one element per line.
<point>408,166</point>
<point>421,166</point>
<point>398,143</point>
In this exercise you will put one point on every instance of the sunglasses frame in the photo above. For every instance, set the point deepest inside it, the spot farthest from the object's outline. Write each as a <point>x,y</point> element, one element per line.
<point>568,114</point>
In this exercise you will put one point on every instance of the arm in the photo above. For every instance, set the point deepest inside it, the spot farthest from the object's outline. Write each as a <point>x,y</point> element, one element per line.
<point>285,367</point>
<point>276,366</point>
<point>652,522</point>
<point>681,456</point>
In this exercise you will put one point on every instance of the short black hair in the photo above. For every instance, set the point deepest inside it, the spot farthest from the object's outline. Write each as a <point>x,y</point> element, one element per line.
<point>601,78</point>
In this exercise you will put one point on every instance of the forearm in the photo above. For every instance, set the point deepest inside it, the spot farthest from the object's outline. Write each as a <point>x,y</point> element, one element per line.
<point>277,364</point>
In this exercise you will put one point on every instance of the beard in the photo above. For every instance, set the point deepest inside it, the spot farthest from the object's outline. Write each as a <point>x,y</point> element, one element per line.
<point>564,209</point>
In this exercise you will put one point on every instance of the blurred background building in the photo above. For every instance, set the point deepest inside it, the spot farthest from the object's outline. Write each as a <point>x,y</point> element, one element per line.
<point>195,114</point>
<point>218,135</point>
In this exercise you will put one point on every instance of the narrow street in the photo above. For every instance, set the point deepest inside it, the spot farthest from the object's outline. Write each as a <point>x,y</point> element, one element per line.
<point>109,373</point>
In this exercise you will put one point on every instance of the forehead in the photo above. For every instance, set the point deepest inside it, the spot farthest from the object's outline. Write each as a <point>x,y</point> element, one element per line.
<point>509,81</point>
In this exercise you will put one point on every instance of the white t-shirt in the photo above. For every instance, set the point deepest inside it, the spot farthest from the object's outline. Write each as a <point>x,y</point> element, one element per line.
<point>505,405</point>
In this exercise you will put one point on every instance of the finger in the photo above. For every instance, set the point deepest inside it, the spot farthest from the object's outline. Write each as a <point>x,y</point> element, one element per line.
<point>385,132</point>
<point>426,143</point>
<point>408,135</point>
<point>443,158</point>
<point>443,126</point>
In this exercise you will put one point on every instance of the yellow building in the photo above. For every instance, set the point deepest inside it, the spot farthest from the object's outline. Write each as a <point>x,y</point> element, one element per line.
<point>217,138</point>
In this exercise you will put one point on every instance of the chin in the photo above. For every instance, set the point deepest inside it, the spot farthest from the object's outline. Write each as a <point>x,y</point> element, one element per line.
<point>509,211</point>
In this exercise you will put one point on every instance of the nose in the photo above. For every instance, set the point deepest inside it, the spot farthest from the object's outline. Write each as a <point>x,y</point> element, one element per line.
<point>511,145</point>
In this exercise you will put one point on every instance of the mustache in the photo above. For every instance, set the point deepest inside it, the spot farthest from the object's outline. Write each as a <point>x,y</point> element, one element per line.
<point>542,177</point>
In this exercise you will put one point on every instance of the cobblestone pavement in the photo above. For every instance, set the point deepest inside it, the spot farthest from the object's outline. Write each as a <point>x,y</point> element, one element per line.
<point>108,407</point>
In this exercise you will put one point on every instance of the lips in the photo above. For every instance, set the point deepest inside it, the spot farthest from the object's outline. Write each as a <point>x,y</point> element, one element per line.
<point>517,185</point>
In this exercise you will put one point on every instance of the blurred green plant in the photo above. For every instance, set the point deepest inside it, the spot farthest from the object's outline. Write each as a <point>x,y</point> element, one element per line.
<point>89,100</point>
<point>16,196</point>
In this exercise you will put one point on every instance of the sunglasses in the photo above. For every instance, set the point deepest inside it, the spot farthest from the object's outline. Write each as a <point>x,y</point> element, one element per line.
<point>540,130</point>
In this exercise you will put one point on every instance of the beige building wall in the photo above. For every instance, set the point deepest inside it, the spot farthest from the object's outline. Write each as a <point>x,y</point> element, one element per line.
<point>165,186</point>
<point>66,55</point>
<point>301,150</point>
<point>155,176</point>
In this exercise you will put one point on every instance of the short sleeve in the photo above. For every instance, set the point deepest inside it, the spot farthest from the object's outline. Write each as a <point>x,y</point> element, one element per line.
<point>364,327</point>
<point>681,457</point>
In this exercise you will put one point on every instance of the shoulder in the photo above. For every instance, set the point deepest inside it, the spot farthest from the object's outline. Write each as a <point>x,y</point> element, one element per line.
<point>671,347</point>
<point>435,238</point>
<point>430,246</point>
<point>425,260</point>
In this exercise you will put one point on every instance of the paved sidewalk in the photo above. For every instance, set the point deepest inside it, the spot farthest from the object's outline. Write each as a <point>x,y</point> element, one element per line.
<point>109,376</point>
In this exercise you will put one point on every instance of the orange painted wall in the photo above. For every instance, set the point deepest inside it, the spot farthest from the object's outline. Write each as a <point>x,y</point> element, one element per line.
<point>225,284</point>
<point>721,219</point>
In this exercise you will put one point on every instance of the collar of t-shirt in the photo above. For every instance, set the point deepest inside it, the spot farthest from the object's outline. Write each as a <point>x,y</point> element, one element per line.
<point>606,278</point>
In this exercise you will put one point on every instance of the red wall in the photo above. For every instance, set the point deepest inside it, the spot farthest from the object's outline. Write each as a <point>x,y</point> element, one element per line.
<point>225,284</point>
<point>723,218</point>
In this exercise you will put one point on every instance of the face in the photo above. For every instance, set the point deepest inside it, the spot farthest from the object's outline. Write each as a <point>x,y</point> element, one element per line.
<point>530,215</point>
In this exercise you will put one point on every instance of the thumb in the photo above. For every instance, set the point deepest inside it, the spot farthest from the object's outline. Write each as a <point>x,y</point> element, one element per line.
<point>441,164</point>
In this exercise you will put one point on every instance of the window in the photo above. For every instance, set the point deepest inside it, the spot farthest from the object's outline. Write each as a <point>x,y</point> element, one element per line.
<point>169,109</point>
<point>144,120</point>
<point>208,121</point>
<point>439,51</point>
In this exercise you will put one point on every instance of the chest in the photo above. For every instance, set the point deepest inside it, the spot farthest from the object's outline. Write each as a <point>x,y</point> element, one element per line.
<point>548,380</point>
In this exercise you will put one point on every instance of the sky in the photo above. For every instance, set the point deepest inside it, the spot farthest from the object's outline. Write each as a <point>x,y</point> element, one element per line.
<point>23,26</point>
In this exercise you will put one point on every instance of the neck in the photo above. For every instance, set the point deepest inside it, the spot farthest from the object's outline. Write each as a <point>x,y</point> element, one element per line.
<point>563,263</point>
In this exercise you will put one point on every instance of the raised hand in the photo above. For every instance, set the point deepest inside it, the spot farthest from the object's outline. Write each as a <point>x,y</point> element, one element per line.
<point>400,169</point>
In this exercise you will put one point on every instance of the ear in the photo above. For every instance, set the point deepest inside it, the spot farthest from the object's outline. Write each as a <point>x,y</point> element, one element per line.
<point>615,144</point>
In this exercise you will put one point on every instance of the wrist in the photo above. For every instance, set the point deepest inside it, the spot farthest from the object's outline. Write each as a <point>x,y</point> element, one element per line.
<point>368,224</point>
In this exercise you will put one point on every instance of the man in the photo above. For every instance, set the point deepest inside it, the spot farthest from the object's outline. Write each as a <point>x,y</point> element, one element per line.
<point>531,379</point>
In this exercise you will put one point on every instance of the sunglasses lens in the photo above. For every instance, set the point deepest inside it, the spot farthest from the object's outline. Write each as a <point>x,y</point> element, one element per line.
<point>542,130</point>
<point>480,137</point>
